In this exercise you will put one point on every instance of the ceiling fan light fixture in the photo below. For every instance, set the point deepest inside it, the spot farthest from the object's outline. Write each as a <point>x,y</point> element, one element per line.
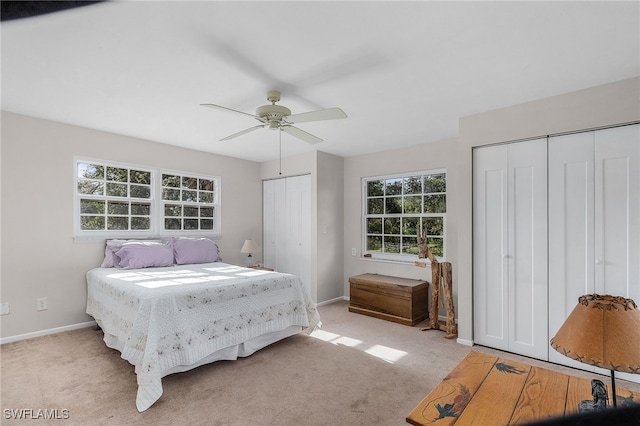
<point>279,117</point>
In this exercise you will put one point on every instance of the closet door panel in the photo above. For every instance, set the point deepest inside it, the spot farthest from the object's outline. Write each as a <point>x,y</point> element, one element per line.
<point>490,247</point>
<point>510,247</point>
<point>268,224</point>
<point>527,253</point>
<point>571,229</point>
<point>617,164</point>
<point>617,232</point>
<point>281,241</point>
<point>298,208</point>
<point>274,224</point>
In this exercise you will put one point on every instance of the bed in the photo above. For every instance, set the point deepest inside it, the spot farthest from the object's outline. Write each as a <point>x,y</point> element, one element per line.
<point>171,315</point>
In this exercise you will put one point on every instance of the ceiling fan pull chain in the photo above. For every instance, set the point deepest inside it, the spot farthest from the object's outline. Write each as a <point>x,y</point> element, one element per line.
<point>280,137</point>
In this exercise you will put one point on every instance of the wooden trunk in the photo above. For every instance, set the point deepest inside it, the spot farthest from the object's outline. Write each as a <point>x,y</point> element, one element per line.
<point>401,300</point>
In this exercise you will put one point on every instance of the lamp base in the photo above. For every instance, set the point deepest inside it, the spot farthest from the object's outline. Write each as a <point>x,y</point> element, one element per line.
<point>599,392</point>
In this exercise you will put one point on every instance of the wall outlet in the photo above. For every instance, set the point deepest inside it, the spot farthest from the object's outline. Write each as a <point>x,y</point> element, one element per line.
<point>353,251</point>
<point>4,308</point>
<point>41,304</point>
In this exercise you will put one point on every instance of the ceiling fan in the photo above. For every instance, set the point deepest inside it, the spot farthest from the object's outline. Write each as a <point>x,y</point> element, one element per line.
<point>279,117</point>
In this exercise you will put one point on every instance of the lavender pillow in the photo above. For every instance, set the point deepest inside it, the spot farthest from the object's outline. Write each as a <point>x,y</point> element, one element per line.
<point>145,255</point>
<point>195,250</point>
<point>110,258</point>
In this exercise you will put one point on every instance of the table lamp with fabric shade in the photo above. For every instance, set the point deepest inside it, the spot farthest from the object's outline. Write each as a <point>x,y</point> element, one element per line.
<point>249,247</point>
<point>603,331</point>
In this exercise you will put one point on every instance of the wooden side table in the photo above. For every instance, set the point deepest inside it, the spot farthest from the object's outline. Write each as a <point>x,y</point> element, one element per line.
<point>261,268</point>
<point>487,390</point>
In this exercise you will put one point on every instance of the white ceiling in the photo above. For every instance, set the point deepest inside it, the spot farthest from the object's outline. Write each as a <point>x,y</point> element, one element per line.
<point>404,72</point>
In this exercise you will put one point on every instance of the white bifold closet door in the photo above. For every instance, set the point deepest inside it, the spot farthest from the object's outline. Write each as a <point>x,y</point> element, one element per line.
<point>594,222</point>
<point>287,226</point>
<point>273,194</point>
<point>510,247</point>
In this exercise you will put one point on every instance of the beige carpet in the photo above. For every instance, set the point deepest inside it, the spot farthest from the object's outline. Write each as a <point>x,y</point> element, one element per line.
<point>357,370</point>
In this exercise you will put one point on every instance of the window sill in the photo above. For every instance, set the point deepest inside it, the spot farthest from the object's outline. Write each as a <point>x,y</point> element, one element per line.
<point>103,237</point>
<point>427,262</point>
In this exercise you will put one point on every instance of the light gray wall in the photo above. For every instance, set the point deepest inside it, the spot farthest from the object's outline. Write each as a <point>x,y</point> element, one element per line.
<point>601,106</point>
<point>423,157</point>
<point>39,257</point>
<point>330,226</point>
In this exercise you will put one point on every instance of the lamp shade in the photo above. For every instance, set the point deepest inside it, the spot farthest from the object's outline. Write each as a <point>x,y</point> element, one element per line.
<point>249,247</point>
<point>603,331</point>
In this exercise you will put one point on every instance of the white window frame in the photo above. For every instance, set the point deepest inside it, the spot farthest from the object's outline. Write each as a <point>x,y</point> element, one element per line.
<point>156,213</point>
<point>399,257</point>
<point>215,204</point>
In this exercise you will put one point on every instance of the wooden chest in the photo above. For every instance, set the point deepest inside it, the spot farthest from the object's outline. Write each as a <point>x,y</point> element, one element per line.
<point>395,299</point>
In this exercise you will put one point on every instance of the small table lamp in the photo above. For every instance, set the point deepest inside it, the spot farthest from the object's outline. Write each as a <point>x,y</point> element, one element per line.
<point>603,331</point>
<point>249,247</point>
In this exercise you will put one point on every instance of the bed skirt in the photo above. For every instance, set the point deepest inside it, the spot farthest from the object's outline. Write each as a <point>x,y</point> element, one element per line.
<point>230,353</point>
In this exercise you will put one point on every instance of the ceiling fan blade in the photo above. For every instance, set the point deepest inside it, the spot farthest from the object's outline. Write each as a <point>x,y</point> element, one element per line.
<point>301,134</point>
<point>319,115</point>
<point>229,109</point>
<point>242,132</point>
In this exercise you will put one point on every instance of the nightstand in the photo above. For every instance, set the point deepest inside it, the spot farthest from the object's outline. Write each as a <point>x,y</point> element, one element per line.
<point>261,268</point>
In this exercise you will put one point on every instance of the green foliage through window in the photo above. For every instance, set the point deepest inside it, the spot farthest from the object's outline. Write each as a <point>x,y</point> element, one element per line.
<point>188,202</point>
<point>118,198</point>
<point>113,198</point>
<point>397,208</point>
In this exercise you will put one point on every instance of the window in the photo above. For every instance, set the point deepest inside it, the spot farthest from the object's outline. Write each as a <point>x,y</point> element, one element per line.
<point>396,208</point>
<point>188,202</point>
<point>124,200</point>
<point>113,198</point>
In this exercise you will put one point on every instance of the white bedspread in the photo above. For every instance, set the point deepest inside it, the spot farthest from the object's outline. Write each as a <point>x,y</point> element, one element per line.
<point>163,318</point>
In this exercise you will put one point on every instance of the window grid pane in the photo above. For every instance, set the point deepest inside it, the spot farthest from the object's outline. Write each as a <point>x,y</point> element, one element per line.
<point>99,215</point>
<point>112,182</point>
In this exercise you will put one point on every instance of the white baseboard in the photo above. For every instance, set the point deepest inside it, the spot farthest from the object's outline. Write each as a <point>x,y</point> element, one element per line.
<point>46,332</point>
<point>330,301</point>
<point>465,342</point>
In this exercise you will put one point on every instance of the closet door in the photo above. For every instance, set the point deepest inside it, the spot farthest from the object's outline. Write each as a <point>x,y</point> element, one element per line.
<point>571,229</point>
<point>528,249</point>
<point>594,222</point>
<point>510,247</point>
<point>287,226</point>
<point>490,239</point>
<point>617,221</point>
<point>298,229</point>
<point>617,200</point>
<point>273,192</point>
